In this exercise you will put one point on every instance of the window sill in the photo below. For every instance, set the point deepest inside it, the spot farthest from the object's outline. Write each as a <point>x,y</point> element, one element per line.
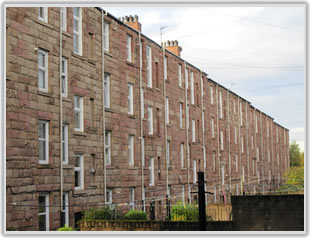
<point>76,132</point>
<point>44,166</point>
<point>157,89</point>
<point>131,116</point>
<point>46,94</point>
<point>130,64</point>
<point>168,125</point>
<point>108,53</point>
<point>151,135</point>
<point>42,22</point>
<point>78,56</point>
<point>66,99</point>
<point>183,169</point>
<point>108,109</point>
<point>132,168</point>
<point>182,88</point>
<point>93,129</point>
<point>79,191</point>
<point>150,89</point>
<point>66,33</point>
<point>67,166</point>
<point>170,168</point>
<point>91,61</point>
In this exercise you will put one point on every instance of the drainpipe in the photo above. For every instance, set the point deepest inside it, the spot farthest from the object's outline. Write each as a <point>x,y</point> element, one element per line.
<point>202,115</point>
<point>141,118</point>
<point>103,110</point>
<point>61,117</point>
<point>240,144</point>
<point>247,145</point>
<point>262,159</point>
<point>255,138</point>
<point>218,137</point>
<point>187,117</point>
<point>229,135</point>
<point>165,115</point>
<point>272,159</point>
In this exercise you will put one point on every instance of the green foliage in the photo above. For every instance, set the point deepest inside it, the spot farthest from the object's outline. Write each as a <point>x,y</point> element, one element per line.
<point>65,228</point>
<point>294,154</point>
<point>104,213</point>
<point>135,215</point>
<point>188,212</point>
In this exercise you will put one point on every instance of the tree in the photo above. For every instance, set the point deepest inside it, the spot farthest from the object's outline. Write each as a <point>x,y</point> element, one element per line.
<point>294,154</point>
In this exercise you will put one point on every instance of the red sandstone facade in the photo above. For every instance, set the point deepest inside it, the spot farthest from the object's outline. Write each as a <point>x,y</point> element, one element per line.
<point>233,168</point>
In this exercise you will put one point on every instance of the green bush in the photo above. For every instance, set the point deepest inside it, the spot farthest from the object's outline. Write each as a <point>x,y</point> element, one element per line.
<point>65,228</point>
<point>104,213</point>
<point>135,215</point>
<point>188,212</point>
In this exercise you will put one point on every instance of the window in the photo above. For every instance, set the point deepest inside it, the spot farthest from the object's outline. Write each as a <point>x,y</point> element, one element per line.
<point>269,156</point>
<point>132,198</point>
<point>64,77</point>
<point>65,143</point>
<point>214,160</point>
<point>79,172</point>
<point>43,138</point>
<point>109,196</point>
<point>270,176</point>
<point>157,75</point>
<point>277,134</point>
<point>149,66</point>
<point>142,103</point>
<point>168,153</point>
<point>78,107</point>
<point>151,171</point>
<point>221,141</point>
<point>242,144</point>
<point>180,74</point>
<point>131,150</point>
<point>64,18</point>
<point>253,167</point>
<point>150,120</point>
<point>211,95</point>
<point>182,154</point>
<point>187,116</point>
<point>143,151</point>
<point>252,142</point>
<point>278,161</point>
<point>106,90</point>
<point>193,131</point>
<point>234,106</point>
<point>258,156</point>
<point>91,40</point>
<point>43,70</point>
<point>43,14</point>
<point>243,173</point>
<point>222,174</point>
<point>167,110</point>
<point>181,115</point>
<point>130,98</point>
<point>215,194</point>
<point>77,31</point>
<point>194,172</point>
<point>241,113</point>
<point>220,105</point>
<point>186,78</point>
<point>165,68</point>
<point>205,161</point>
<point>212,128</point>
<point>256,123</point>
<point>192,87</point>
<point>108,148</point>
<point>258,176</point>
<point>44,212</point>
<point>268,129</point>
<point>106,36</point>
<point>65,210</point>
<point>236,163</point>
<point>203,119</point>
<point>235,134</point>
<point>129,42</point>
<point>158,121</point>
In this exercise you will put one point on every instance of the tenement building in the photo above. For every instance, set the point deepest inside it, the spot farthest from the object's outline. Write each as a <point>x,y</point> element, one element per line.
<point>99,114</point>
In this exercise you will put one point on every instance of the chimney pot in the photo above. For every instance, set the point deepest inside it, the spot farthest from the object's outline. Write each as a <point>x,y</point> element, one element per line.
<point>173,46</point>
<point>136,18</point>
<point>132,21</point>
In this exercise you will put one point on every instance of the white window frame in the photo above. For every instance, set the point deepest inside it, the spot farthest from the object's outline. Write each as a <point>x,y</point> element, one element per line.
<point>252,142</point>
<point>79,110</point>
<point>130,98</point>
<point>194,171</point>
<point>277,137</point>
<point>65,143</point>
<point>236,162</point>
<point>142,103</point>
<point>258,154</point>
<point>270,174</point>
<point>269,155</point>
<point>44,69</point>
<point>186,78</point>
<point>215,194</point>
<point>182,154</point>
<point>106,36</point>
<point>132,197</point>
<point>203,120</point>
<point>143,151</point>
<point>65,209</point>
<point>108,147</point>
<point>211,94</point>
<point>193,131</point>
<point>131,150</point>
<point>165,67</point>
<point>234,105</point>
<point>192,88</point>
<point>256,120</point>
<point>64,18</point>
<point>107,90</point>
<point>243,173</point>
<point>43,18</point>
<point>168,153</point>
<point>187,116</point>
<point>80,170</point>
<point>167,110</point>
<point>46,212</point>
<point>109,196</point>
<point>129,42</point>
<point>205,158</point>
<point>64,77</point>
<point>212,128</point>
<point>151,172</point>
<point>46,142</point>
<point>181,115</point>
<point>221,141</point>
<point>180,74</point>
<point>222,174</point>
<point>241,113</point>
<point>220,105</point>
<point>77,33</point>
<point>150,120</point>
<point>235,134</point>
<point>242,144</point>
<point>278,159</point>
<point>214,160</point>
<point>149,66</point>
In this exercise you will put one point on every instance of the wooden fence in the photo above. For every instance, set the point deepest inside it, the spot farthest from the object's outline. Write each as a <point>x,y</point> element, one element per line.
<point>219,211</point>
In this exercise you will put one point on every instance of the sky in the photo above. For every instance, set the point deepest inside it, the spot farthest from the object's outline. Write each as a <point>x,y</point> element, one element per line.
<point>258,52</point>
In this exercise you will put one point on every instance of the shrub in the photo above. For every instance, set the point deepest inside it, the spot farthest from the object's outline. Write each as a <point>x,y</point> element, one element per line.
<point>65,228</point>
<point>188,212</point>
<point>135,215</point>
<point>104,213</point>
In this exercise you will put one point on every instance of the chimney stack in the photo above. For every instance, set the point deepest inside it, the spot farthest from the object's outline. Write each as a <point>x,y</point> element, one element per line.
<point>173,46</point>
<point>132,21</point>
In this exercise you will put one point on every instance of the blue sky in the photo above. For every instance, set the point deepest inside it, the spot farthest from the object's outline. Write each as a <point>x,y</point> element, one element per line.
<point>257,52</point>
